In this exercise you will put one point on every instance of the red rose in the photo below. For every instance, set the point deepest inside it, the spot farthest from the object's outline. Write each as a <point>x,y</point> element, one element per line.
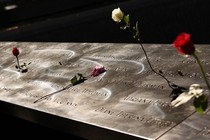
<point>183,44</point>
<point>15,51</point>
<point>97,70</point>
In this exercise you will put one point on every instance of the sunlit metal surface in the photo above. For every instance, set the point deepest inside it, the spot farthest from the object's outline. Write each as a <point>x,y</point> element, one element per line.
<point>128,99</point>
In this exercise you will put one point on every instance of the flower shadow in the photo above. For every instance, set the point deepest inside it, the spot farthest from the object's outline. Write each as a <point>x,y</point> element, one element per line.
<point>74,81</point>
<point>176,91</point>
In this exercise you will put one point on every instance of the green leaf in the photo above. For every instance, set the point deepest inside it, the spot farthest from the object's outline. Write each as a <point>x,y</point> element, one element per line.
<point>74,80</point>
<point>201,103</point>
<point>137,26</point>
<point>126,19</point>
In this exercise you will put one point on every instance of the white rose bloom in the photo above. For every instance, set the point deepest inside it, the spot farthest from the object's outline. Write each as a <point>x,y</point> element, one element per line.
<point>181,99</point>
<point>194,91</point>
<point>117,15</point>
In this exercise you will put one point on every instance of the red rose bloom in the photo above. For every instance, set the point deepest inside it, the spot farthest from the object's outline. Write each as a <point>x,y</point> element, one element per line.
<point>183,44</point>
<point>15,51</point>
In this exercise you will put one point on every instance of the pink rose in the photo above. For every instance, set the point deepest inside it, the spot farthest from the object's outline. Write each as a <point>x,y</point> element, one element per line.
<point>97,70</point>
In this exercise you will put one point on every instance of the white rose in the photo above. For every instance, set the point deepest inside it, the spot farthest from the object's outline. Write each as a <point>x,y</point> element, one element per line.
<point>181,99</point>
<point>117,15</point>
<point>195,90</point>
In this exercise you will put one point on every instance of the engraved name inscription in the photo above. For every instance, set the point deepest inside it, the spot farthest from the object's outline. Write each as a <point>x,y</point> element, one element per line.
<point>54,100</point>
<point>150,120</point>
<point>205,131</point>
<point>133,83</point>
<point>147,101</point>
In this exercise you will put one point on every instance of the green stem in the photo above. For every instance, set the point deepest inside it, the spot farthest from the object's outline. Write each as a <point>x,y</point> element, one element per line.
<point>202,70</point>
<point>18,62</point>
<point>169,83</point>
<point>137,36</point>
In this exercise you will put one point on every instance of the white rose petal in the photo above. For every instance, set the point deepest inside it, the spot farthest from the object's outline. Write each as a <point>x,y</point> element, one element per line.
<point>195,90</point>
<point>181,99</point>
<point>117,15</point>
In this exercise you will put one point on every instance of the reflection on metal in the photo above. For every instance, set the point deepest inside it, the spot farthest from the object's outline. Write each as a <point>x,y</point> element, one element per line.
<point>10,7</point>
<point>127,101</point>
<point>12,28</point>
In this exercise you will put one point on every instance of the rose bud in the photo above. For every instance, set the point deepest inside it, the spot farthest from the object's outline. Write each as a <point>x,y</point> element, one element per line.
<point>97,70</point>
<point>15,51</point>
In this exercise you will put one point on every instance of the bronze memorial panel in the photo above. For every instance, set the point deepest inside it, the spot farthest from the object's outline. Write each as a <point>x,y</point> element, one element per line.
<point>127,98</point>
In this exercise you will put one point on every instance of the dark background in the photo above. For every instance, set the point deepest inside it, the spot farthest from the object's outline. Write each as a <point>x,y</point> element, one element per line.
<point>90,21</point>
<point>16,128</point>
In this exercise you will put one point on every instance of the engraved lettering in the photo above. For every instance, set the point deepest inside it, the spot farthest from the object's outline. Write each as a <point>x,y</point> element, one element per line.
<point>71,104</point>
<point>147,101</point>
<point>132,83</point>
<point>91,92</point>
<point>205,131</point>
<point>141,118</point>
<point>104,110</point>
